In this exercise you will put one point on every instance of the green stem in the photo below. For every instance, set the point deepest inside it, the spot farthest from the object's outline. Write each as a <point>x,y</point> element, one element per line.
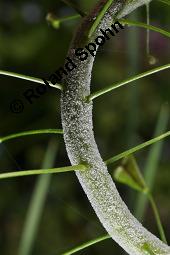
<point>99,17</point>
<point>136,148</point>
<point>120,84</point>
<point>55,22</point>
<point>29,78</point>
<point>31,132</point>
<point>143,25</point>
<point>152,162</point>
<point>43,171</point>
<point>157,217</point>
<point>147,26</point>
<point>87,244</point>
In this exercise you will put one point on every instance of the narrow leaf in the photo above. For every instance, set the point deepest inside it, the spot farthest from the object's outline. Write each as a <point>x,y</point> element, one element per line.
<point>127,81</point>
<point>86,245</point>
<point>29,78</point>
<point>144,25</point>
<point>136,148</point>
<point>37,203</point>
<point>31,132</point>
<point>43,171</point>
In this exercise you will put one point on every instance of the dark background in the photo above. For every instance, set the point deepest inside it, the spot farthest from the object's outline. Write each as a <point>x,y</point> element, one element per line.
<point>122,119</point>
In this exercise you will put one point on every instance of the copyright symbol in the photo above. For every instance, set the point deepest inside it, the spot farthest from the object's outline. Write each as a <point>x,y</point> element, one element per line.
<point>17,106</point>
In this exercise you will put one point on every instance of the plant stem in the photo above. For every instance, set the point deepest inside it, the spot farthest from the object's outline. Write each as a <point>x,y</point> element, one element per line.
<point>29,78</point>
<point>120,84</point>
<point>123,21</point>
<point>99,17</point>
<point>157,217</point>
<point>43,171</point>
<point>55,22</point>
<point>31,132</point>
<point>87,244</point>
<point>75,7</point>
<point>146,26</point>
<point>136,148</point>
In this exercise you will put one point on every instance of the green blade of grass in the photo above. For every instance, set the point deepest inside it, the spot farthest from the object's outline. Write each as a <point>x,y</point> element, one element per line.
<point>37,203</point>
<point>152,163</point>
<point>31,132</point>
<point>29,78</point>
<point>143,25</point>
<point>136,148</point>
<point>86,245</point>
<point>43,171</point>
<point>123,83</point>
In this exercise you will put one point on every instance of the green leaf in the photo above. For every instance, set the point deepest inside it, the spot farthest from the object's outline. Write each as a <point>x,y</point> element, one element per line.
<point>29,78</point>
<point>30,132</point>
<point>143,25</point>
<point>127,81</point>
<point>86,245</point>
<point>136,148</point>
<point>129,174</point>
<point>43,171</point>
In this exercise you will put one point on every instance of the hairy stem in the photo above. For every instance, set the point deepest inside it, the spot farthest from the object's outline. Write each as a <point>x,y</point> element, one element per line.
<point>81,146</point>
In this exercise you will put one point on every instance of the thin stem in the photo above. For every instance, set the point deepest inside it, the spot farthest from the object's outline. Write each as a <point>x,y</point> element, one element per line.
<point>165,1</point>
<point>87,244</point>
<point>120,84</point>
<point>157,217</point>
<point>75,7</point>
<point>29,78</point>
<point>152,162</point>
<point>56,22</point>
<point>77,16</point>
<point>31,132</point>
<point>99,17</point>
<point>136,148</point>
<point>146,26</point>
<point>43,171</point>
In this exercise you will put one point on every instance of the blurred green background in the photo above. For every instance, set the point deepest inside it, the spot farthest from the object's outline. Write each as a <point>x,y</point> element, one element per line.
<point>122,119</point>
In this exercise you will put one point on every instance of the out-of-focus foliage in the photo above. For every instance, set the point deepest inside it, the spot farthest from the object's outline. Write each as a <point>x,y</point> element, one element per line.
<point>30,46</point>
